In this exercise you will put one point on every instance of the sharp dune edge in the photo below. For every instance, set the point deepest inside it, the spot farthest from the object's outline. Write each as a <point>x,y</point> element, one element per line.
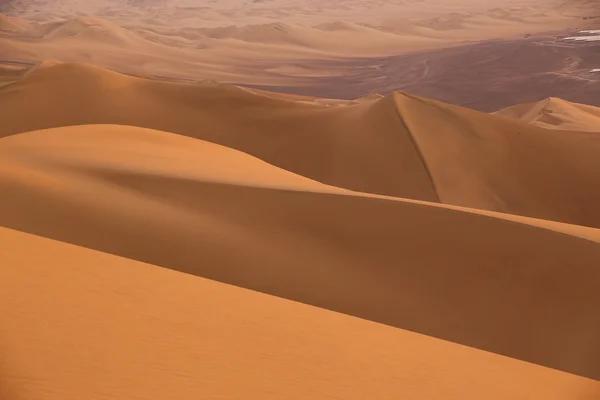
<point>166,233</point>
<point>124,329</point>
<point>555,113</point>
<point>399,145</point>
<point>214,212</point>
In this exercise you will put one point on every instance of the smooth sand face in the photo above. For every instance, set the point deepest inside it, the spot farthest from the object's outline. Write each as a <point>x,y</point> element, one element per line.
<point>76,324</point>
<point>555,113</point>
<point>400,145</point>
<point>164,235</point>
<point>217,213</point>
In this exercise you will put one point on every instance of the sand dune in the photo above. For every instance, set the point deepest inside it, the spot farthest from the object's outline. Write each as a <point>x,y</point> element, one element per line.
<point>585,8</point>
<point>481,161</point>
<point>262,43</point>
<point>100,42</point>
<point>168,227</point>
<point>54,39</point>
<point>102,326</point>
<point>13,25</point>
<point>400,145</point>
<point>334,38</point>
<point>92,29</point>
<point>486,281</point>
<point>554,113</point>
<point>332,145</point>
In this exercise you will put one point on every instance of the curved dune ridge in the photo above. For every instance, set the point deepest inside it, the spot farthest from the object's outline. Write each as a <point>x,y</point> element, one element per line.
<point>331,38</point>
<point>166,233</point>
<point>161,334</point>
<point>554,113</point>
<point>13,25</point>
<point>399,145</point>
<point>269,43</point>
<point>91,29</point>
<point>214,212</point>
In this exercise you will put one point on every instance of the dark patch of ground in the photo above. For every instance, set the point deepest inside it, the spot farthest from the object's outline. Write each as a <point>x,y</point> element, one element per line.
<point>484,76</point>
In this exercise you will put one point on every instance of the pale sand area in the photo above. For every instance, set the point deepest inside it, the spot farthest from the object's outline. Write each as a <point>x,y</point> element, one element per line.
<point>258,43</point>
<point>555,113</point>
<point>77,323</point>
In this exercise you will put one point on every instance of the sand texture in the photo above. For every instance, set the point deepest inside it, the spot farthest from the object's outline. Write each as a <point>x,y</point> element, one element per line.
<point>555,113</point>
<point>299,200</point>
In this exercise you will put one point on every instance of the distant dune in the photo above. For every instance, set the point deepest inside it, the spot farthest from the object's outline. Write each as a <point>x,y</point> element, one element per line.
<point>554,113</point>
<point>335,38</point>
<point>585,8</point>
<point>87,28</point>
<point>13,25</point>
<point>399,145</point>
<point>267,43</point>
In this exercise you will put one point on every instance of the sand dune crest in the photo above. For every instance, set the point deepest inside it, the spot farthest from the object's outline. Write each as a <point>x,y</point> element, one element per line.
<point>194,204</point>
<point>171,228</point>
<point>400,145</point>
<point>553,113</point>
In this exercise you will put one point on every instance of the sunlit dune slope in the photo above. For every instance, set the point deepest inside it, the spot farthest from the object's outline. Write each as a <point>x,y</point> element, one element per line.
<point>337,38</point>
<point>10,25</point>
<point>243,52</point>
<point>96,30</point>
<point>357,148</point>
<point>485,161</point>
<point>76,323</point>
<point>399,145</point>
<point>554,113</point>
<point>484,281</point>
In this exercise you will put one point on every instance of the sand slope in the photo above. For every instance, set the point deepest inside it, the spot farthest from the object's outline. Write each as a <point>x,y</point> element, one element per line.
<point>553,113</point>
<point>94,30</point>
<point>487,282</point>
<point>335,38</point>
<point>400,145</point>
<point>12,25</point>
<point>483,161</point>
<point>76,323</point>
<point>270,42</point>
<point>353,148</point>
<point>161,239</point>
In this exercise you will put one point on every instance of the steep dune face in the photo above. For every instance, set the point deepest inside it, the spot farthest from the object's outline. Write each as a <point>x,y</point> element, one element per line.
<point>201,240</point>
<point>399,145</point>
<point>483,161</point>
<point>357,148</point>
<point>192,206</point>
<point>554,113</point>
<point>124,329</point>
